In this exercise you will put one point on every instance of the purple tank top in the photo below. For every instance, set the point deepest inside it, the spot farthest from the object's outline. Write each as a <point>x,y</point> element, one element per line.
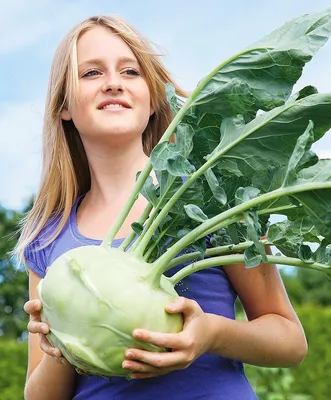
<point>210,377</point>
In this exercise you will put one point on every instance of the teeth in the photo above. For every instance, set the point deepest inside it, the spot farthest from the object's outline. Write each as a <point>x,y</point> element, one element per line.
<point>112,106</point>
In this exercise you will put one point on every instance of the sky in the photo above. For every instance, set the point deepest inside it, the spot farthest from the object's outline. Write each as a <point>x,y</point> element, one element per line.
<point>194,37</point>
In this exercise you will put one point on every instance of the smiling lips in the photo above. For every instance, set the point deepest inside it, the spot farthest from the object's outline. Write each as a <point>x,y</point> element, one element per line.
<point>112,104</point>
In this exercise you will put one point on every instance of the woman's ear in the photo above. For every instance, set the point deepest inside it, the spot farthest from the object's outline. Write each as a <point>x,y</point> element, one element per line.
<point>65,114</point>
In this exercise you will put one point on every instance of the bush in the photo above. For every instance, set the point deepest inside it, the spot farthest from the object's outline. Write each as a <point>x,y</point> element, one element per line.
<point>310,379</point>
<point>13,367</point>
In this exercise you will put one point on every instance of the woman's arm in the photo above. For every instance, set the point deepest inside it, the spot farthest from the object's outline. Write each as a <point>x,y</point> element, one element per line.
<point>47,378</point>
<point>273,335</point>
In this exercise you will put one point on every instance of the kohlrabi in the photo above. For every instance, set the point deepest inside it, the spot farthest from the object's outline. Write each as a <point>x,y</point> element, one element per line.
<point>242,153</point>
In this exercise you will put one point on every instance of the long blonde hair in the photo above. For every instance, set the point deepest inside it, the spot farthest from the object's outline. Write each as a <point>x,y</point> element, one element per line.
<point>65,169</point>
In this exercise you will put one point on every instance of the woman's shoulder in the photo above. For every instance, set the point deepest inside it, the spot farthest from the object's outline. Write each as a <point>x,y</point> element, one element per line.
<point>36,252</point>
<point>55,238</point>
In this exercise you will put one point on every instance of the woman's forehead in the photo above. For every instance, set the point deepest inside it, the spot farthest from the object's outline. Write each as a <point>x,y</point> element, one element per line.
<point>100,43</point>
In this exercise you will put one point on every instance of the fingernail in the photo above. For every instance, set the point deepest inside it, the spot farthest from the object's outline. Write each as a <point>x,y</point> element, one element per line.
<point>137,334</point>
<point>129,354</point>
<point>44,329</point>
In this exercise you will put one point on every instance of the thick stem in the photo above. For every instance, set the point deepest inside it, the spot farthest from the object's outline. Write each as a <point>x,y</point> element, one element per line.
<point>215,251</point>
<point>161,264</point>
<point>141,221</point>
<point>240,259</point>
<point>152,218</point>
<point>152,247</point>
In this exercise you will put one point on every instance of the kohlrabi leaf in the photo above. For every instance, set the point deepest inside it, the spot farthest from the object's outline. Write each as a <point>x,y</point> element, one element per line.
<point>289,236</point>
<point>138,228</point>
<point>149,191</point>
<point>254,232</point>
<point>171,97</point>
<point>268,68</point>
<point>269,140</point>
<point>304,92</point>
<point>317,203</point>
<point>301,155</point>
<point>252,257</point>
<point>215,187</point>
<point>178,165</point>
<point>233,97</point>
<point>246,193</point>
<point>195,213</point>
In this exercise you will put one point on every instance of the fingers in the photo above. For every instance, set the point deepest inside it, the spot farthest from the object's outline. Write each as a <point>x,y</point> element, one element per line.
<point>183,305</point>
<point>33,307</point>
<point>140,360</point>
<point>38,327</point>
<point>165,340</point>
<point>140,370</point>
<point>48,348</point>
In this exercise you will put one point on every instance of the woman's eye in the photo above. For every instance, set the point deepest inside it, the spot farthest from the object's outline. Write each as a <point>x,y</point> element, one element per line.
<point>92,72</point>
<point>132,72</point>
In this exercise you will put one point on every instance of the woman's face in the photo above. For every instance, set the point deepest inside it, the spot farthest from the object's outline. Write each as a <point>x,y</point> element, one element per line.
<point>113,100</point>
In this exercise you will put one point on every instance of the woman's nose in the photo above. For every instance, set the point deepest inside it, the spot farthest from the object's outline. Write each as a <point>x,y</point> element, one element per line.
<point>112,83</point>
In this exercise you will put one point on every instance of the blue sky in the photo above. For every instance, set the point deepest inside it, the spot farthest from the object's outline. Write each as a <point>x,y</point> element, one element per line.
<point>195,36</point>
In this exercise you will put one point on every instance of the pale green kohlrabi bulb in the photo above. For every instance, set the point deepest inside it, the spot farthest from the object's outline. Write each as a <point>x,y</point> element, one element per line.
<point>93,298</point>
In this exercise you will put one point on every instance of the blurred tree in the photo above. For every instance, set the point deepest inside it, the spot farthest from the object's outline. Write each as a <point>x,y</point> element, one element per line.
<point>307,286</point>
<point>13,366</point>
<point>13,282</point>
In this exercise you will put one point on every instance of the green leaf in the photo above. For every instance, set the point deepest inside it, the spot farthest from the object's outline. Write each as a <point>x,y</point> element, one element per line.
<point>254,233</point>
<point>179,166</point>
<point>300,152</point>
<point>289,236</point>
<point>317,203</point>
<point>246,193</point>
<point>149,191</point>
<point>306,91</point>
<point>268,141</point>
<point>305,254</point>
<point>269,68</point>
<point>137,228</point>
<point>217,190</point>
<point>195,213</point>
<point>171,97</point>
<point>233,97</point>
<point>252,257</point>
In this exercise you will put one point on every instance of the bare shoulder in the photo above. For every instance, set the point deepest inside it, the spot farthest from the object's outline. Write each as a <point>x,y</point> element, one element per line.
<point>260,290</point>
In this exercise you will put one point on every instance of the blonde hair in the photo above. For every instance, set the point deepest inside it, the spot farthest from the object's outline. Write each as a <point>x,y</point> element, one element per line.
<point>65,169</point>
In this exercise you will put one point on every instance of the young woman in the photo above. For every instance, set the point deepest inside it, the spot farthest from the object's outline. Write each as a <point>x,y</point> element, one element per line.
<point>106,109</point>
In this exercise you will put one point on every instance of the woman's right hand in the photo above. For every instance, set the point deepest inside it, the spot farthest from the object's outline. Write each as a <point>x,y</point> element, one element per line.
<point>33,308</point>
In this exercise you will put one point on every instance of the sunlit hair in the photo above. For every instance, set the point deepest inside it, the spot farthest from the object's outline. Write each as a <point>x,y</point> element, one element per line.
<point>65,168</point>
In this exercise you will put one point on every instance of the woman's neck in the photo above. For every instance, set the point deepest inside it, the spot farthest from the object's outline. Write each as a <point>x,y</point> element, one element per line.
<point>113,171</point>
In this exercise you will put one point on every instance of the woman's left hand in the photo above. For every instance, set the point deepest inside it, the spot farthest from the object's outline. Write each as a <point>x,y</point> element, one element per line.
<point>186,346</point>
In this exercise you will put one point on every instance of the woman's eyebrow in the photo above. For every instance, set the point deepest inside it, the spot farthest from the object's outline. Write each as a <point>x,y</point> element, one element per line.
<point>99,61</point>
